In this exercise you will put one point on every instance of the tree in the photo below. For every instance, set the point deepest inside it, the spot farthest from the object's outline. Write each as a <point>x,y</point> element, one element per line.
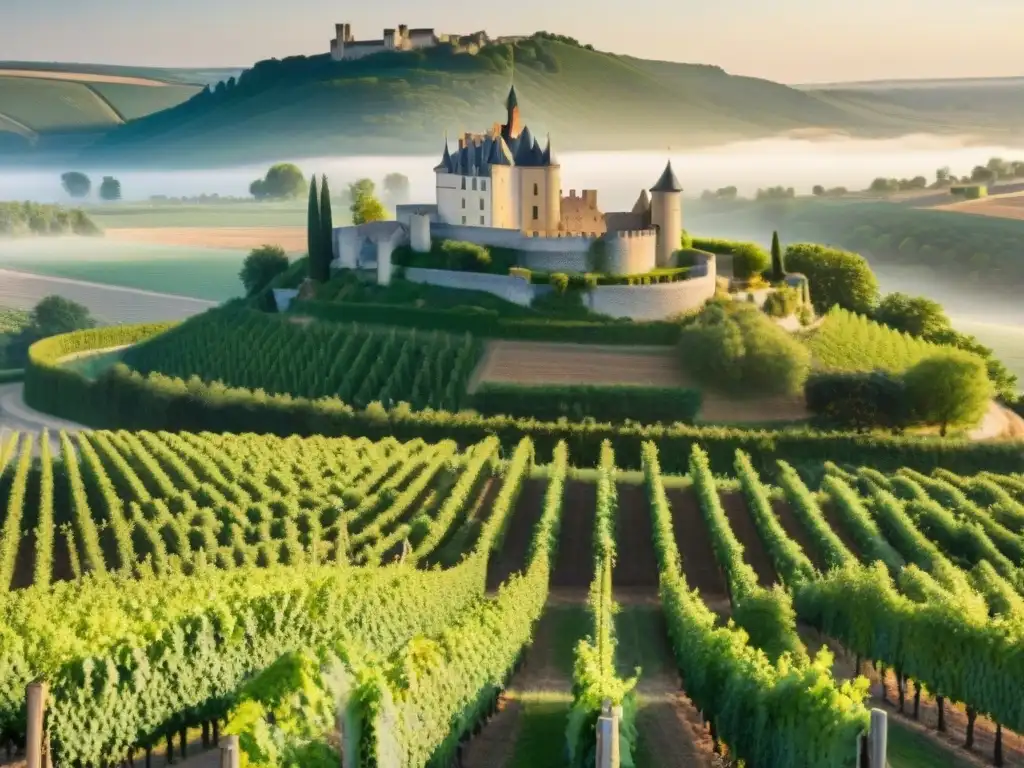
<point>283,181</point>
<point>950,387</point>
<point>818,190</point>
<point>313,231</point>
<point>835,277</point>
<point>55,314</point>
<point>261,266</point>
<point>916,315</point>
<point>326,253</point>
<point>778,263</point>
<point>748,260</point>
<point>110,188</point>
<point>76,184</point>
<point>942,178</point>
<point>396,187</point>
<point>365,205</point>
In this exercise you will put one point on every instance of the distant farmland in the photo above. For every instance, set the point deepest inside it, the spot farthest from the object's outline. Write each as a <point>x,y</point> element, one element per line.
<point>59,99</point>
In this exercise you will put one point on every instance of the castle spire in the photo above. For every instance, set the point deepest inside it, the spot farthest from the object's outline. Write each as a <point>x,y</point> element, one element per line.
<point>548,158</point>
<point>668,181</point>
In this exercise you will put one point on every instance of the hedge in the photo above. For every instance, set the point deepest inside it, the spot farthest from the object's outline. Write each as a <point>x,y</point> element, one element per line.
<point>617,404</point>
<point>122,399</point>
<point>489,324</point>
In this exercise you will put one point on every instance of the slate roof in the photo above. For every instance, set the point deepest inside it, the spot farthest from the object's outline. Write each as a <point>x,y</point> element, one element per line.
<point>668,181</point>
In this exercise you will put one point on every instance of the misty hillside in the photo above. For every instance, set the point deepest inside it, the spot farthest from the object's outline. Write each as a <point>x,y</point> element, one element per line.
<point>404,103</point>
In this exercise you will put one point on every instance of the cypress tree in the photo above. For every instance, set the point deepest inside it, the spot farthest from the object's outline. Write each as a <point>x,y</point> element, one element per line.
<point>313,234</point>
<point>327,232</point>
<point>778,267</point>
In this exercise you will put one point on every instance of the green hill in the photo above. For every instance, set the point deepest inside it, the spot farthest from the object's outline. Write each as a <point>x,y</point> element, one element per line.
<point>587,99</point>
<point>47,105</point>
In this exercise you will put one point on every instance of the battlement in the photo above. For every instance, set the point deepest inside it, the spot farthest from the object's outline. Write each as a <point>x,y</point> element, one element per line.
<point>649,234</point>
<point>588,197</point>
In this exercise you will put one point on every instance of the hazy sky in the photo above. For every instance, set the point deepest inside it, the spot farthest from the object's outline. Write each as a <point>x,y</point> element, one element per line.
<point>786,40</point>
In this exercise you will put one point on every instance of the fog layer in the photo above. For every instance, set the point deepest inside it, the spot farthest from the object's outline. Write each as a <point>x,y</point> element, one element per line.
<point>618,176</point>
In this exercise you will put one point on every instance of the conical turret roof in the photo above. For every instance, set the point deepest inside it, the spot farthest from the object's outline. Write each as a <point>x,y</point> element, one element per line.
<point>511,101</point>
<point>548,158</point>
<point>446,163</point>
<point>643,203</point>
<point>668,181</point>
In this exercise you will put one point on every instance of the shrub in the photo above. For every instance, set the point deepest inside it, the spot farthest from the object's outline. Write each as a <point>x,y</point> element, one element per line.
<point>949,388</point>
<point>465,256</point>
<point>782,302</point>
<point>560,282</point>
<point>851,342</point>
<point>835,277</point>
<point>748,259</point>
<point>858,401</point>
<point>261,266</point>
<point>805,314</point>
<point>916,315</point>
<point>740,350</point>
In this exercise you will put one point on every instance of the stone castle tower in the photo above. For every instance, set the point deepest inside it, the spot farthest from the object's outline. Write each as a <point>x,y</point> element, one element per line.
<point>667,215</point>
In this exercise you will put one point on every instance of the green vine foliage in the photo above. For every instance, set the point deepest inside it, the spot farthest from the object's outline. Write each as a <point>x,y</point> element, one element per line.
<point>595,679</point>
<point>770,714</point>
<point>426,696</point>
<point>107,704</point>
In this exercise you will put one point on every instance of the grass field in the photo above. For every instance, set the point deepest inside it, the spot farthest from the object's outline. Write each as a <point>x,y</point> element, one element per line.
<point>227,214</point>
<point>200,273</point>
<point>58,98</point>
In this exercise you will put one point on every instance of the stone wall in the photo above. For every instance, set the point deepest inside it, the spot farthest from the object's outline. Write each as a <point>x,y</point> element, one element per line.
<point>513,289</point>
<point>659,301</point>
<point>630,252</point>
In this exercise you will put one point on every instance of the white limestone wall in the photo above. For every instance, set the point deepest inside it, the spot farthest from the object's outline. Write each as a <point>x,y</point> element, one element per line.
<point>513,289</point>
<point>631,252</point>
<point>464,200</point>
<point>659,301</point>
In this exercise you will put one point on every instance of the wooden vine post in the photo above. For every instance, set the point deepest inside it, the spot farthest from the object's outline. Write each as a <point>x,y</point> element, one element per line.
<point>608,736</point>
<point>230,756</point>
<point>878,738</point>
<point>37,752</point>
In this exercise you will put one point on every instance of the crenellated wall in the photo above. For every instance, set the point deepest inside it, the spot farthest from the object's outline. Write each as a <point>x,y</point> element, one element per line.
<point>630,252</point>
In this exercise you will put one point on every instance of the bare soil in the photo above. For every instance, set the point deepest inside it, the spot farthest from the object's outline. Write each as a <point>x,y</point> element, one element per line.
<point>574,562</point>
<point>1008,206</point>
<point>838,525</point>
<point>81,77</point>
<point>536,363</point>
<point>636,566</point>
<point>700,566</point>
<point>798,533</point>
<point>292,239</point>
<point>671,731</point>
<point>743,526</point>
<point>518,534</point>
<point>24,563</point>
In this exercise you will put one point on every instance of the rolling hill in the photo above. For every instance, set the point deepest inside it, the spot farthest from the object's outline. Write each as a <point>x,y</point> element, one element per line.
<point>75,103</point>
<point>404,102</point>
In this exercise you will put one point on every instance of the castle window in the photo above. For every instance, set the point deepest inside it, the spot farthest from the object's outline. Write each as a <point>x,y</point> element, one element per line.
<point>483,185</point>
<point>474,185</point>
<point>536,213</point>
<point>463,182</point>
<point>536,191</point>
<point>463,202</point>
<point>481,204</point>
<point>481,221</point>
<point>463,219</point>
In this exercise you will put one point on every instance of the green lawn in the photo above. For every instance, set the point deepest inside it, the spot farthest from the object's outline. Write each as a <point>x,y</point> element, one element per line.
<point>909,749</point>
<point>202,273</point>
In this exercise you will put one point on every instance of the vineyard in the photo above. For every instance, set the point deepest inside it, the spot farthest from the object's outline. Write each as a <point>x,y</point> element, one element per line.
<point>847,341</point>
<point>165,582</point>
<point>357,364</point>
